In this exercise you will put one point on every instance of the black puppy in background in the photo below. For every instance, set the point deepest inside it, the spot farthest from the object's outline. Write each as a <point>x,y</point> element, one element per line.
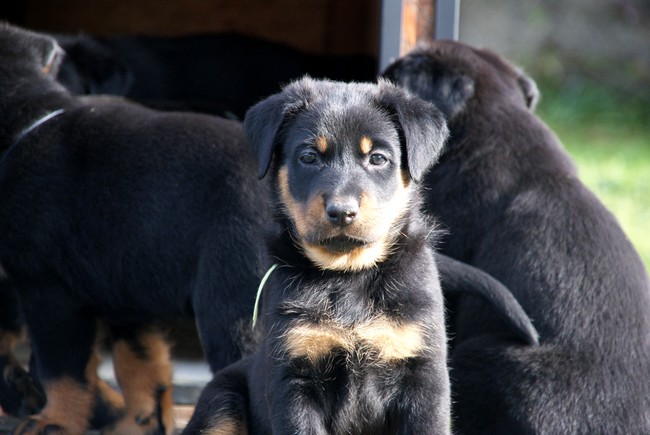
<point>513,205</point>
<point>213,73</point>
<point>352,321</point>
<point>114,212</point>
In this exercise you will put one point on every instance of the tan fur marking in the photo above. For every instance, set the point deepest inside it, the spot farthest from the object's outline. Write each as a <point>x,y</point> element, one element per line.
<point>295,213</point>
<point>226,426</point>
<point>381,338</point>
<point>141,380</point>
<point>355,260</point>
<point>321,144</point>
<point>114,399</point>
<point>365,144</point>
<point>69,405</point>
<point>393,341</point>
<point>8,342</point>
<point>406,178</point>
<point>315,341</point>
<point>314,212</point>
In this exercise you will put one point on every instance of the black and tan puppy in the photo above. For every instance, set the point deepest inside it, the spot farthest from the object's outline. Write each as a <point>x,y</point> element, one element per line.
<point>513,206</point>
<point>352,320</point>
<point>118,213</point>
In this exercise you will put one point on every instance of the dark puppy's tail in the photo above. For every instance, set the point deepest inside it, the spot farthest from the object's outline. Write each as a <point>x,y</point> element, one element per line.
<point>462,278</point>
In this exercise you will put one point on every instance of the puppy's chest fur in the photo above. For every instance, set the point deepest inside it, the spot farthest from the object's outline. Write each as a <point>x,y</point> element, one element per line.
<point>359,319</point>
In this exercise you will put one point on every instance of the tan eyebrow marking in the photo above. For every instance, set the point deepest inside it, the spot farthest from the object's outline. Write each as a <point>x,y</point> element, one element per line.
<point>365,144</point>
<point>321,144</point>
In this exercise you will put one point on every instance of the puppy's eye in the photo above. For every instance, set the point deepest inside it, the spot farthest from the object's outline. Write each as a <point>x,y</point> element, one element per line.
<point>378,159</point>
<point>308,158</point>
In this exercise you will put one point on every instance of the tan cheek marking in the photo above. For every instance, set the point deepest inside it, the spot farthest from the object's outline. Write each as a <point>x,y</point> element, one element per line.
<point>365,144</point>
<point>316,341</point>
<point>321,144</point>
<point>304,220</point>
<point>226,426</point>
<point>146,383</point>
<point>316,211</point>
<point>295,214</point>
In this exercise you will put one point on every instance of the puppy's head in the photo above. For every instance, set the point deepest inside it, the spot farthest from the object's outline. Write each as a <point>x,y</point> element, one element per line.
<point>345,160</point>
<point>23,53</point>
<point>453,75</point>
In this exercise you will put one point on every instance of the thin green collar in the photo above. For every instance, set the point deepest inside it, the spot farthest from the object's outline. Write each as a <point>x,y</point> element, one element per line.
<point>259,292</point>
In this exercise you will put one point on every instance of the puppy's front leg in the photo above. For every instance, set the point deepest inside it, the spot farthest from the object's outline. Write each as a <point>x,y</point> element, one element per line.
<point>424,405</point>
<point>294,402</point>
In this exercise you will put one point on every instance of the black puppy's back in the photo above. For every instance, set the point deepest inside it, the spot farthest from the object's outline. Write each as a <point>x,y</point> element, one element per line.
<point>514,207</point>
<point>116,213</point>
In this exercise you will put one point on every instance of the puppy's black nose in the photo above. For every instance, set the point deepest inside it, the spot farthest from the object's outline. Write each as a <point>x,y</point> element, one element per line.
<point>342,213</point>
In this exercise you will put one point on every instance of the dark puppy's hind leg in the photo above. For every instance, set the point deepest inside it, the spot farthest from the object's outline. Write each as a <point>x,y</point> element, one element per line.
<point>142,362</point>
<point>19,393</point>
<point>228,278</point>
<point>222,408</point>
<point>63,341</point>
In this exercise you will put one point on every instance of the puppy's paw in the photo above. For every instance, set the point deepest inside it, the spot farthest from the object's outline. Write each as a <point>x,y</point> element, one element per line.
<point>19,394</point>
<point>139,425</point>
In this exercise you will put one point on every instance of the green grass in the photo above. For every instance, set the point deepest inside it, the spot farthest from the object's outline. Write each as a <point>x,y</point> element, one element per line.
<point>608,136</point>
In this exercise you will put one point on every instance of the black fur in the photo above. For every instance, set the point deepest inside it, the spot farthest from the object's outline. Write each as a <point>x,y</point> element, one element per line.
<point>215,73</point>
<point>116,212</point>
<point>513,206</point>
<point>354,389</point>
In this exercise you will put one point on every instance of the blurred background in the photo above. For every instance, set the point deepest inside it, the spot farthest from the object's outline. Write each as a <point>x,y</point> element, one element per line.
<point>590,58</point>
<point>591,61</point>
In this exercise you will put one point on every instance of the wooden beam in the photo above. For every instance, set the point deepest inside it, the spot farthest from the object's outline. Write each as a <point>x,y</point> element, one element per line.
<point>418,23</point>
<point>404,23</point>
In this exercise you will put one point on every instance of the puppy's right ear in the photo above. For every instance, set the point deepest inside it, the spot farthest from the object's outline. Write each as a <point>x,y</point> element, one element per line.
<point>263,123</point>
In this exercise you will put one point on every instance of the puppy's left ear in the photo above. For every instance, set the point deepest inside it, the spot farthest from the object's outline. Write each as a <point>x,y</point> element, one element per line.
<point>43,49</point>
<point>423,129</point>
<point>529,89</point>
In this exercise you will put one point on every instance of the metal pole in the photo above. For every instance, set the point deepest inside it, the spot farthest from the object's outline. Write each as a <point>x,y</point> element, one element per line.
<point>447,18</point>
<point>391,32</point>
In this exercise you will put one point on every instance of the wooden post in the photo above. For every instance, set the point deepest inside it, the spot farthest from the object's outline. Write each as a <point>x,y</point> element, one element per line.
<point>418,23</point>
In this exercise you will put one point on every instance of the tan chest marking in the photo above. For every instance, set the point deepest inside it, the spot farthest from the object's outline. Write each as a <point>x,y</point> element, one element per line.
<point>380,339</point>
